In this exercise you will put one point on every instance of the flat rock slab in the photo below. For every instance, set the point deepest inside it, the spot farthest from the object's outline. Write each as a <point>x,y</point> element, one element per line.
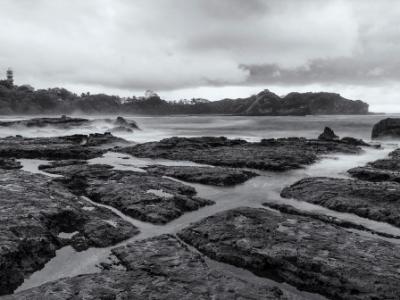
<point>379,201</point>
<point>387,169</point>
<point>218,176</point>
<point>156,268</point>
<point>36,217</point>
<point>272,154</point>
<point>310,254</point>
<point>139,195</point>
<point>77,146</point>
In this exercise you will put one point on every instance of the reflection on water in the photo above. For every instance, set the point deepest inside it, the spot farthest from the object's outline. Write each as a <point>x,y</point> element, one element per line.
<point>254,192</point>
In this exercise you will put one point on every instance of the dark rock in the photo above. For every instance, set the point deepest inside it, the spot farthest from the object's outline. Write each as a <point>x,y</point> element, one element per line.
<point>310,254</point>
<point>61,163</point>
<point>271,154</point>
<point>142,196</point>
<point>206,175</point>
<point>377,201</point>
<point>328,135</point>
<point>387,128</point>
<point>156,268</point>
<point>357,142</point>
<point>62,122</point>
<point>387,169</point>
<point>288,209</point>
<point>9,164</point>
<point>77,146</point>
<point>34,211</point>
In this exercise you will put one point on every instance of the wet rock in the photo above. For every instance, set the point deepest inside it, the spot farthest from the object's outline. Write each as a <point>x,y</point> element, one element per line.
<point>357,142</point>
<point>387,128</point>
<point>62,122</point>
<point>376,201</point>
<point>288,209</point>
<point>328,135</point>
<point>77,146</point>
<point>34,211</point>
<point>156,268</point>
<point>271,154</point>
<point>206,175</point>
<point>9,164</point>
<point>387,169</point>
<point>310,254</point>
<point>61,163</point>
<point>142,196</point>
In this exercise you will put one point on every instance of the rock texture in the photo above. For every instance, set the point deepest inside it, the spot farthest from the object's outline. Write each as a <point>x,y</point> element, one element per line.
<point>206,175</point>
<point>387,169</point>
<point>145,197</point>
<point>157,268</point>
<point>271,154</point>
<point>376,201</point>
<point>328,135</point>
<point>387,128</point>
<point>34,211</point>
<point>9,164</point>
<point>309,254</point>
<point>67,147</point>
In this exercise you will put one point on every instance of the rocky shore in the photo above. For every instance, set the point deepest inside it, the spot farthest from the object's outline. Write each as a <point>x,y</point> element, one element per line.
<point>269,154</point>
<point>293,253</point>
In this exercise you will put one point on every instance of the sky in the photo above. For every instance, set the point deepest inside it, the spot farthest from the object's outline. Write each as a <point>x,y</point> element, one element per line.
<point>206,48</point>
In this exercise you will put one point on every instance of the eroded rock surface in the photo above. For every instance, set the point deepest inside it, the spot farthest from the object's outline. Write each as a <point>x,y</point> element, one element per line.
<point>377,201</point>
<point>156,268</point>
<point>77,146</point>
<point>309,254</point>
<point>271,154</point>
<point>387,128</point>
<point>206,175</point>
<point>10,164</point>
<point>146,197</point>
<point>34,214</point>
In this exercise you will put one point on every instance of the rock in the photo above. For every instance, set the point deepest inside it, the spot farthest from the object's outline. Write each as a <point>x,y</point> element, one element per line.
<point>62,122</point>
<point>34,211</point>
<point>310,254</point>
<point>206,175</point>
<point>139,195</point>
<point>9,164</point>
<point>387,169</point>
<point>328,135</point>
<point>387,128</point>
<point>120,121</point>
<point>376,201</point>
<point>271,154</point>
<point>357,142</point>
<point>288,209</point>
<point>157,268</point>
<point>77,146</point>
<point>61,163</point>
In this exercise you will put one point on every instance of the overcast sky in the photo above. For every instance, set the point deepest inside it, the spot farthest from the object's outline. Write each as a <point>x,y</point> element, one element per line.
<point>206,48</point>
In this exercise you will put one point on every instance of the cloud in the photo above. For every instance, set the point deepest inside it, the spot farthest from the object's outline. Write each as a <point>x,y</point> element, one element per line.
<point>180,45</point>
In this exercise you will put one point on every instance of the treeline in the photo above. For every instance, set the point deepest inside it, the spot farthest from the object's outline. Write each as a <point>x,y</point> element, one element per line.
<point>26,100</point>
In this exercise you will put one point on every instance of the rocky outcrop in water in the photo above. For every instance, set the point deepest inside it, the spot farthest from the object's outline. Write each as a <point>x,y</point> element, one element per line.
<point>77,146</point>
<point>310,254</point>
<point>139,195</point>
<point>206,175</point>
<point>64,122</point>
<point>269,154</point>
<point>38,216</point>
<point>387,128</point>
<point>376,201</point>
<point>156,268</point>
<point>328,135</point>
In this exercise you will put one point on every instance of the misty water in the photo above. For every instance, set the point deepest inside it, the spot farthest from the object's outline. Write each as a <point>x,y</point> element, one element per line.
<point>253,193</point>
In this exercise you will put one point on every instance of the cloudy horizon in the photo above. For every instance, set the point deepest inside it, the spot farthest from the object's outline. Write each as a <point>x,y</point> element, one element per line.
<point>206,48</point>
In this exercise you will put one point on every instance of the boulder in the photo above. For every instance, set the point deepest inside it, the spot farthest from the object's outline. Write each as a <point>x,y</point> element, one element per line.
<point>328,135</point>
<point>387,128</point>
